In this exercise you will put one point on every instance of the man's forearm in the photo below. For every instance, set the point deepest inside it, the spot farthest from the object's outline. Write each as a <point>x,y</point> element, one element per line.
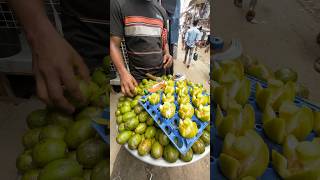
<point>116,57</point>
<point>32,16</point>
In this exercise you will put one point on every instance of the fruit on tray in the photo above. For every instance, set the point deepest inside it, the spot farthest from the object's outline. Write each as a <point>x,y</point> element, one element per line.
<point>238,90</point>
<point>90,152</point>
<point>170,153</point>
<point>196,90</point>
<point>200,99</point>
<point>227,71</point>
<point>186,111</point>
<point>183,99</point>
<point>260,71</point>
<point>243,156</point>
<point>286,74</point>
<point>188,128</point>
<point>182,90</point>
<point>167,110</point>
<point>237,120</point>
<point>156,150</point>
<point>154,98</point>
<point>168,98</point>
<point>300,160</point>
<point>188,156</point>
<point>302,91</point>
<point>291,120</point>
<point>274,94</point>
<point>203,113</point>
<point>181,83</point>
<point>169,89</point>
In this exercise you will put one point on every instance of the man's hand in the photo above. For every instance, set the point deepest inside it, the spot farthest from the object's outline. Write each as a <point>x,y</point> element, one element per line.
<point>56,65</point>
<point>128,84</point>
<point>167,61</point>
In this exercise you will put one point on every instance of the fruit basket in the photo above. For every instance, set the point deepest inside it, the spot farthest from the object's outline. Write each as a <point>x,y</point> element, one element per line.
<point>143,138</point>
<point>277,147</point>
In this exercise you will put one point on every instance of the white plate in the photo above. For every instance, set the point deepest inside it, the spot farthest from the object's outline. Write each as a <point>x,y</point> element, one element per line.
<point>161,162</point>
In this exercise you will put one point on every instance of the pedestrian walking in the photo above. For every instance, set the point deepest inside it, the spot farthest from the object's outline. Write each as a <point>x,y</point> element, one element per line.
<point>192,39</point>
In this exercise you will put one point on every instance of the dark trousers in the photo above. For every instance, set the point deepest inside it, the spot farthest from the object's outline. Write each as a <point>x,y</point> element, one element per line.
<point>189,52</point>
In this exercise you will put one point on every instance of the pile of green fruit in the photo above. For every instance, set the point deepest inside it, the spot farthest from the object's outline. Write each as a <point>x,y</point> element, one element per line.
<point>60,146</point>
<point>244,153</point>
<point>137,128</point>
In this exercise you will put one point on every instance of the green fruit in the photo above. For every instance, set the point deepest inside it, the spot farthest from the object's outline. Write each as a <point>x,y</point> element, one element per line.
<point>149,121</point>
<point>90,113</point>
<point>123,137</point>
<point>168,110</point>
<point>37,118</point>
<point>144,81</point>
<point>128,115</point>
<point>119,119</point>
<point>143,116</point>
<point>52,132</point>
<point>72,155</point>
<point>131,124</point>
<point>286,75</point>
<point>125,108</point>
<point>90,152</point>
<point>205,137</point>
<point>24,162</point>
<point>138,109</point>
<point>78,132</point>
<point>31,138</point>
<point>188,156</point>
<point>150,132</point>
<point>31,175</point>
<point>163,139</point>
<point>87,174</point>
<point>208,128</point>
<point>61,169</point>
<point>186,111</point>
<point>134,141</point>
<point>101,171</point>
<point>144,147</point>
<point>156,150</point>
<point>188,128</point>
<point>134,103</point>
<point>49,150</point>
<point>122,98</point>
<point>198,147</point>
<point>99,77</point>
<point>121,128</point>
<point>60,119</point>
<point>141,128</point>
<point>118,113</point>
<point>170,153</point>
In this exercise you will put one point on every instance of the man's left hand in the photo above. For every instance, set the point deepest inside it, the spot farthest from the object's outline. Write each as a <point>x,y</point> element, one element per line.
<point>167,61</point>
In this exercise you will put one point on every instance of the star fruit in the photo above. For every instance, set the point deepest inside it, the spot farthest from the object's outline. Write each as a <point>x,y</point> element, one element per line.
<point>200,99</point>
<point>169,90</point>
<point>167,110</point>
<point>186,111</point>
<point>274,94</point>
<point>183,99</point>
<point>227,71</point>
<point>168,98</point>
<point>203,113</point>
<point>188,128</point>
<point>237,121</point>
<point>243,156</point>
<point>300,160</point>
<point>291,120</point>
<point>154,98</point>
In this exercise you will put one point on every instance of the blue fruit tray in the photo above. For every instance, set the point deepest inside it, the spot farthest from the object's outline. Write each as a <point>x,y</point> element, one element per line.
<point>217,142</point>
<point>170,126</point>
<point>100,128</point>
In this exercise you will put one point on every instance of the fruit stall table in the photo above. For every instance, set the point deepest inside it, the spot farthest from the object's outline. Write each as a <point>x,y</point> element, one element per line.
<point>125,166</point>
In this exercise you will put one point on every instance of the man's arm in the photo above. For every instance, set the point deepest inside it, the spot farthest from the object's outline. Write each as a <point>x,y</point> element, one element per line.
<point>186,36</point>
<point>167,58</point>
<point>54,60</point>
<point>127,81</point>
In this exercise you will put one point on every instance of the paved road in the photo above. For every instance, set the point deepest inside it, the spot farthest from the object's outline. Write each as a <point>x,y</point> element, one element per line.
<point>285,35</point>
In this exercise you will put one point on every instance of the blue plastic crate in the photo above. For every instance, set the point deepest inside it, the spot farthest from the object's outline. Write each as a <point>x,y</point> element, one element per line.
<point>170,126</point>
<point>217,142</point>
<point>100,128</point>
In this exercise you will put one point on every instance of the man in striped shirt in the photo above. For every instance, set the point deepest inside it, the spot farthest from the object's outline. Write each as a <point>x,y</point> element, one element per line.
<point>142,24</point>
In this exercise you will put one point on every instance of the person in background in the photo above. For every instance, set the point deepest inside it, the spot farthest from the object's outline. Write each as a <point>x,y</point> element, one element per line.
<point>57,60</point>
<point>192,39</point>
<point>142,24</point>
<point>185,29</point>
<point>251,12</point>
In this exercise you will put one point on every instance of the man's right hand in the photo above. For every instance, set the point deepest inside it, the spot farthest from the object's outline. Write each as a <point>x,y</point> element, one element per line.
<point>128,84</point>
<point>56,65</point>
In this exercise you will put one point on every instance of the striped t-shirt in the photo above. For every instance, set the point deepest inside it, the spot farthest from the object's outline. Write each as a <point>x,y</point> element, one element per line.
<point>140,23</point>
